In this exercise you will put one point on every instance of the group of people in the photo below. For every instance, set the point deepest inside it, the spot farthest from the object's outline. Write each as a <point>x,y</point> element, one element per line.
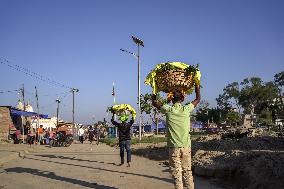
<point>92,133</point>
<point>178,137</point>
<point>40,136</point>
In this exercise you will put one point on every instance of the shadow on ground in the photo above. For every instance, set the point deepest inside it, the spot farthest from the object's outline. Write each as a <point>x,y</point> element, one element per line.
<point>102,169</point>
<point>52,175</point>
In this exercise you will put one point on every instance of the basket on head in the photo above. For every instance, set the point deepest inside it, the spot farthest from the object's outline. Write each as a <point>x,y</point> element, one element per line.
<point>123,109</point>
<point>168,80</point>
<point>173,76</point>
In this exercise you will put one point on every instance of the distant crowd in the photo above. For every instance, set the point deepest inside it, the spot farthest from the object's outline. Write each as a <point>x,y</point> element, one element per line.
<point>36,136</point>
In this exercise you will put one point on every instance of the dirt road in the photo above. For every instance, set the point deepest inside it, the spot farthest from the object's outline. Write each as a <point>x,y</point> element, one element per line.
<point>86,166</point>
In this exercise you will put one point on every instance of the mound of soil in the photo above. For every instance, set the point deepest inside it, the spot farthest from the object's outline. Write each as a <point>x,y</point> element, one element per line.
<point>249,162</point>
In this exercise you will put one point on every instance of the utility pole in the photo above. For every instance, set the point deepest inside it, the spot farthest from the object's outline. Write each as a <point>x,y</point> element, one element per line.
<point>73,109</point>
<point>139,43</point>
<point>24,118</point>
<point>37,106</point>
<point>113,94</point>
<point>57,112</point>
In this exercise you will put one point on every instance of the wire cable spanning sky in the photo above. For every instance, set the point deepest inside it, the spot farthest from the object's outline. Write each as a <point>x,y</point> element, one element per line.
<point>56,45</point>
<point>30,73</point>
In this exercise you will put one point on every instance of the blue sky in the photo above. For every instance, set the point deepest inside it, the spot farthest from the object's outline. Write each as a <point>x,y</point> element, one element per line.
<point>77,43</point>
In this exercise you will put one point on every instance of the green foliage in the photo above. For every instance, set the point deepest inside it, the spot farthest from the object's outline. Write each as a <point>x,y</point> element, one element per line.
<point>109,109</point>
<point>149,109</point>
<point>279,79</point>
<point>277,107</point>
<point>192,69</point>
<point>146,103</point>
<point>204,113</point>
<point>150,139</point>
<point>257,96</point>
<point>230,97</point>
<point>109,141</point>
<point>252,95</point>
<point>233,118</point>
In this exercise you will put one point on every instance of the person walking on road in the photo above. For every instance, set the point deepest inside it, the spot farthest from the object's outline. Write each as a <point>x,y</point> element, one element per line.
<point>124,137</point>
<point>98,134</point>
<point>179,143</point>
<point>81,133</point>
<point>41,134</point>
<point>91,134</point>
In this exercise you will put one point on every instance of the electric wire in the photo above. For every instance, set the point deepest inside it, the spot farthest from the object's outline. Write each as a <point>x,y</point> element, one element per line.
<point>9,91</point>
<point>30,73</point>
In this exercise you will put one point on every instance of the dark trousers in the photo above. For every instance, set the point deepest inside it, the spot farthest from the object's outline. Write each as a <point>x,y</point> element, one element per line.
<point>81,139</point>
<point>30,139</point>
<point>125,144</point>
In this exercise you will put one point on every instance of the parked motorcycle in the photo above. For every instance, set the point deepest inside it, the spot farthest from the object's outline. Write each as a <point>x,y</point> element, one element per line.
<point>61,140</point>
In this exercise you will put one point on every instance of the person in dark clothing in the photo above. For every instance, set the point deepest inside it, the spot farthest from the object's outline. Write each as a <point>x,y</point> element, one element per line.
<point>124,137</point>
<point>91,132</point>
<point>98,134</point>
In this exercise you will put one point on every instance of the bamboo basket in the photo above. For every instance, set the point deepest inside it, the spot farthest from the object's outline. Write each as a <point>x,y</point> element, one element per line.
<point>169,80</point>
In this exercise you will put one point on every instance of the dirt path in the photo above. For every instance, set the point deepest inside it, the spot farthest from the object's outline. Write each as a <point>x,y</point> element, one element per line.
<point>86,166</point>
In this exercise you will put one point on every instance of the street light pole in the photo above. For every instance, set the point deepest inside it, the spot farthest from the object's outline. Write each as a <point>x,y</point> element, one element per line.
<point>139,43</point>
<point>139,91</point>
<point>58,101</point>
<point>73,110</point>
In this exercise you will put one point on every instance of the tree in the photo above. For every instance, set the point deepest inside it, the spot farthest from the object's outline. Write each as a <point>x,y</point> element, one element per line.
<point>206,114</point>
<point>277,107</point>
<point>149,109</point>
<point>251,96</point>
<point>228,102</point>
<point>202,111</point>
<point>279,79</point>
<point>233,118</point>
<point>256,96</point>
<point>230,97</point>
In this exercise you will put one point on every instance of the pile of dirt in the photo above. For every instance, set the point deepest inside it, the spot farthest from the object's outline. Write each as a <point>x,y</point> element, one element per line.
<point>242,169</point>
<point>247,143</point>
<point>249,162</point>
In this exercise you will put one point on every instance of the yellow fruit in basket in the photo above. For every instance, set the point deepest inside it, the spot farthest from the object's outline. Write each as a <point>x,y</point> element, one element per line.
<point>124,109</point>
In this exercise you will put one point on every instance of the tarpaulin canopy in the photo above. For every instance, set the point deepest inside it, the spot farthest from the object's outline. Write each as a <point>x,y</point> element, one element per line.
<point>27,114</point>
<point>161,125</point>
<point>197,125</point>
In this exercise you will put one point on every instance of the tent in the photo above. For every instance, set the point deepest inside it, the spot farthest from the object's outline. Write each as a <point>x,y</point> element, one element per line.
<point>161,125</point>
<point>197,125</point>
<point>15,112</point>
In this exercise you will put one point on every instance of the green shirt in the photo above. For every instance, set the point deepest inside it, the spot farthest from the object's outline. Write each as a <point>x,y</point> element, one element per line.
<point>178,121</point>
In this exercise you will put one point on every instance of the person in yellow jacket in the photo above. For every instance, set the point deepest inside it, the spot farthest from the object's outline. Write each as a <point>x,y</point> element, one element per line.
<point>179,143</point>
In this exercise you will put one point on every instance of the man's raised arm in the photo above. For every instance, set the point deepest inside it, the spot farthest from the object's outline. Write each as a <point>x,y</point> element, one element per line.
<point>156,103</point>
<point>112,120</point>
<point>197,97</point>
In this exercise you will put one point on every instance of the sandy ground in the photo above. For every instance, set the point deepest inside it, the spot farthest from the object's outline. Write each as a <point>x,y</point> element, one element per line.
<point>86,166</point>
<point>248,162</point>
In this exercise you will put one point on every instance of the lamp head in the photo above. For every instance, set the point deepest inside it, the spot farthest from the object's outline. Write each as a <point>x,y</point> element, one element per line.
<point>137,41</point>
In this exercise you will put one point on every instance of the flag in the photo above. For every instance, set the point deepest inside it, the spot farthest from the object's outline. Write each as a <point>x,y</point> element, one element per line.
<point>113,94</point>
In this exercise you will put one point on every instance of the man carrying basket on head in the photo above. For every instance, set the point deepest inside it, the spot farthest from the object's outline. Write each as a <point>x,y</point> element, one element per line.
<point>124,130</point>
<point>177,116</point>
